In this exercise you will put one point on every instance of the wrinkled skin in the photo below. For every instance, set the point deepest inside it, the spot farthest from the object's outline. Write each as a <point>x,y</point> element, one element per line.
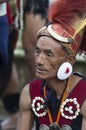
<point>48,57</point>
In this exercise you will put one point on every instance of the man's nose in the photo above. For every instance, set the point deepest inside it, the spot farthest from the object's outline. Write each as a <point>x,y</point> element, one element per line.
<point>41,59</point>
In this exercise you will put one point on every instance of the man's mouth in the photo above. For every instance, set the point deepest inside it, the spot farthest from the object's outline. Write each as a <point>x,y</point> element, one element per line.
<point>40,70</point>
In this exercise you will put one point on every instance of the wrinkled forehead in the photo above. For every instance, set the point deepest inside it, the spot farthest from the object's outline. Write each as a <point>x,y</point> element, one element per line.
<point>49,44</point>
<point>48,40</point>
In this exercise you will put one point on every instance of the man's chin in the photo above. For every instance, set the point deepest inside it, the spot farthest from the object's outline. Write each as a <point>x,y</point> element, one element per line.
<point>41,76</point>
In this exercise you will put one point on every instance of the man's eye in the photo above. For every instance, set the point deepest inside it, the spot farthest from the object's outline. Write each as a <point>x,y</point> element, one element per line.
<point>37,51</point>
<point>49,54</point>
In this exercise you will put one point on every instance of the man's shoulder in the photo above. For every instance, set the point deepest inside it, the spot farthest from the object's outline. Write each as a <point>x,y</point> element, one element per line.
<point>36,82</point>
<point>25,99</point>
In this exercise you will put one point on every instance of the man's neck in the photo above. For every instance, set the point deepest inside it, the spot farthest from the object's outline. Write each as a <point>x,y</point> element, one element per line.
<point>57,85</point>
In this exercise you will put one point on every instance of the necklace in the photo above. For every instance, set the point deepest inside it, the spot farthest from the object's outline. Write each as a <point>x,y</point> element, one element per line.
<point>65,94</point>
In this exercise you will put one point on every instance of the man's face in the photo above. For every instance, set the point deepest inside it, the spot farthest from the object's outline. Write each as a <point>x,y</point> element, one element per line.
<point>48,55</point>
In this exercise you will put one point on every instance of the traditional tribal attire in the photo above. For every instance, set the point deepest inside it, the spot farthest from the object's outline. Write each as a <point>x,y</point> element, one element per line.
<point>37,87</point>
<point>67,25</point>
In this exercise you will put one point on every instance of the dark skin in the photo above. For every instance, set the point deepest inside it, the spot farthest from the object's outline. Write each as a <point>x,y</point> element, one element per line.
<point>49,56</point>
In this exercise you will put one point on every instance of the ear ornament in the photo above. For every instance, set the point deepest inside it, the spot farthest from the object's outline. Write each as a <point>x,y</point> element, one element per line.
<point>64,71</point>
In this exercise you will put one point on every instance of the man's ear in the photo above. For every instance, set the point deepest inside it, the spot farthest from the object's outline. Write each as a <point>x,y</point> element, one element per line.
<point>71,59</point>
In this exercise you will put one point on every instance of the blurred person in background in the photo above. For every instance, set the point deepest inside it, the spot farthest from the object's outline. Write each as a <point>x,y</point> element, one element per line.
<point>34,19</point>
<point>9,81</point>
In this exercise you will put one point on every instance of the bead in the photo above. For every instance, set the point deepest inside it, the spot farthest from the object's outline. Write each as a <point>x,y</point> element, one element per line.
<point>61,110</point>
<point>66,117</point>
<point>66,109</point>
<point>41,106</point>
<point>38,109</point>
<point>38,104</point>
<point>70,118</point>
<point>66,100</point>
<point>71,100</point>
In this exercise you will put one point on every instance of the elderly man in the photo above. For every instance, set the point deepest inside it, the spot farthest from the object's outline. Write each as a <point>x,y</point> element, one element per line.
<point>56,99</point>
